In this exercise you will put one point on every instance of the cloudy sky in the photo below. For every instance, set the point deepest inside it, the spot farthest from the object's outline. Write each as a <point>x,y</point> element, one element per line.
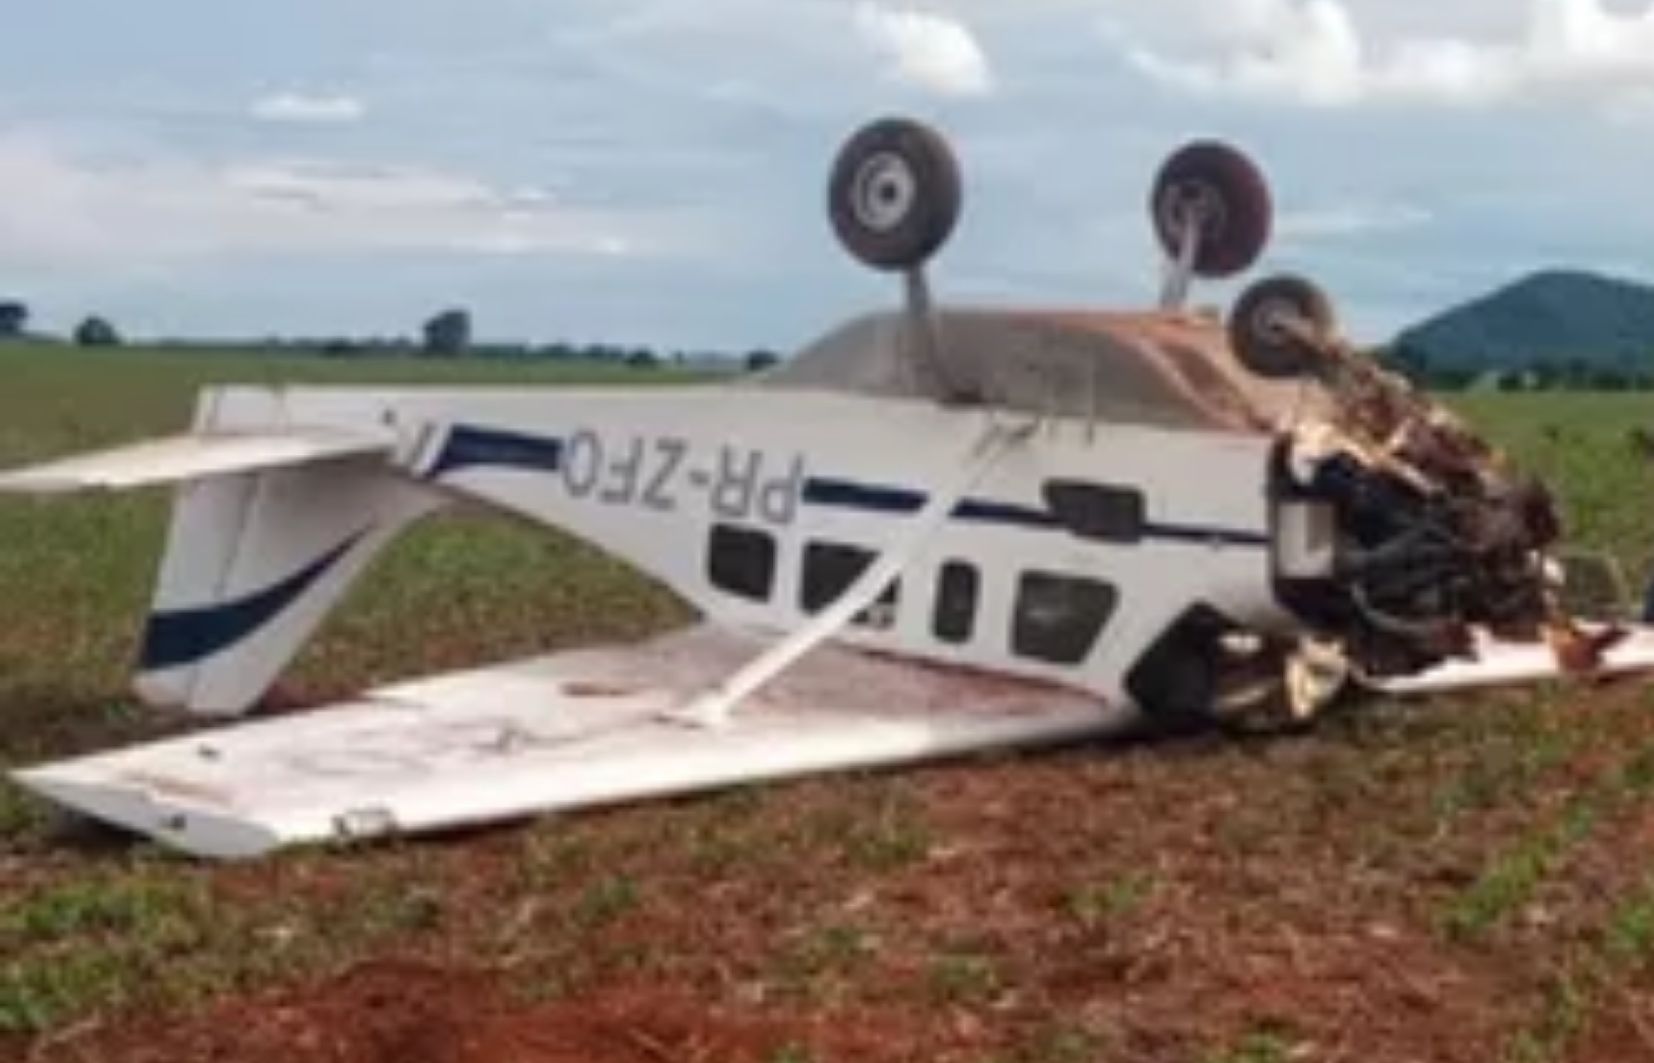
<point>652,170</point>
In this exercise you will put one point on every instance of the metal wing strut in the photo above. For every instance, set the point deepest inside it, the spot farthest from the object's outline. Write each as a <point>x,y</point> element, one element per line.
<point>712,708</point>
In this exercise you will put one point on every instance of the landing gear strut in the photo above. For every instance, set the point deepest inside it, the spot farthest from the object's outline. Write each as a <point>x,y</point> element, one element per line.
<point>1212,215</point>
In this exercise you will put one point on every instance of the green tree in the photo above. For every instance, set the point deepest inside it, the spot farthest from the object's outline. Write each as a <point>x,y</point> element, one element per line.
<point>759,361</point>
<point>14,318</point>
<point>448,335</point>
<point>97,332</point>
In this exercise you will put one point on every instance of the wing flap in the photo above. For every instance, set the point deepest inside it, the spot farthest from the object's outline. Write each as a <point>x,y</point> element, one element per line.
<point>550,735</point>
<point>192,457</point>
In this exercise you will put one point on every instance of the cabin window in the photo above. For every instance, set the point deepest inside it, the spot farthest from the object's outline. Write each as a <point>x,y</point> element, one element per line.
<point>831,569</point>
<point>742,562</point>
<point>1059,618</point>
<point>1102,512</point>
<point>958,589</point>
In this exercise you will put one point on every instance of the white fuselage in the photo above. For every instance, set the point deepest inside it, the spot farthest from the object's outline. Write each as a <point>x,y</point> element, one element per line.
<point>761,507</point>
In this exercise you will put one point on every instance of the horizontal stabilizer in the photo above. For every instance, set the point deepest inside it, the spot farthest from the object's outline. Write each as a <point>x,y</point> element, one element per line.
<point>192,457</point>
<point>555,734</point>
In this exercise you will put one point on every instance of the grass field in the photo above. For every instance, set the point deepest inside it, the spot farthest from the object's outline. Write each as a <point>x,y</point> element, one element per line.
<point>1462,882</point>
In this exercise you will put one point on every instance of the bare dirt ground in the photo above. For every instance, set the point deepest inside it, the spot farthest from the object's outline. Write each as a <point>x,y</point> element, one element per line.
<point>1459,882</point>
<point>403,1012</point>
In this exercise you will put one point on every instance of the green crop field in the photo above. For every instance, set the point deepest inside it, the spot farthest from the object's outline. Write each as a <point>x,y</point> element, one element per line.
<point>1467,881</point>
<point>1582,446</point>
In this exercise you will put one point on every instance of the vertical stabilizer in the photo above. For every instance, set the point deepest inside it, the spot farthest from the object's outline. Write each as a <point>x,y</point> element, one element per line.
<point>254,562</point>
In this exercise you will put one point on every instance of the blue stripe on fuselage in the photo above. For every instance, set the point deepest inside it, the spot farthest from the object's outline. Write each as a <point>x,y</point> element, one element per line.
<point>1205,536</point>
<point>871,498</point>
<point>977,511</point>
<point>469,448</point>
<point>845,494</point>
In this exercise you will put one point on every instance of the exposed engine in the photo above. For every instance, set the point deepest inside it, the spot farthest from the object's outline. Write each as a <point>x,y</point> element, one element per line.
<point>1412,532</point>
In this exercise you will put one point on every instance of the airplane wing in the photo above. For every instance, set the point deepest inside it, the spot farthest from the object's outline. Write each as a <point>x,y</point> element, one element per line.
<point>554,734</point>
<point>1502,664</point>
<point>602,727</point>
<point>191,457</point>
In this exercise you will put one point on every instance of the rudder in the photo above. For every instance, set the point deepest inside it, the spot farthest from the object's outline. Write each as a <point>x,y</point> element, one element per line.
<point>254,562</point>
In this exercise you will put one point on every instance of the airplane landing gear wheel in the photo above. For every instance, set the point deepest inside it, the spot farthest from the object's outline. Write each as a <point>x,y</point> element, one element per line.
<point>895,195</point>
<point>1222,194</point>
<point>1276,326</point>
<point>1205,673</point>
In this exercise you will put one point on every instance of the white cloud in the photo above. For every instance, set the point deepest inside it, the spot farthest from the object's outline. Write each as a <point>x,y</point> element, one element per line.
<point>309,110</point>
<point>1313,52</point>
<point>57,208</point>
<point>1633,107</point>
<point>928,51</point>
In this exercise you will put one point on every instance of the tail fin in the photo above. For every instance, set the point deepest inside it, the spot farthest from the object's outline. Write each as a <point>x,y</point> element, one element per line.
<point>273,522</point>
<point>254,562</point>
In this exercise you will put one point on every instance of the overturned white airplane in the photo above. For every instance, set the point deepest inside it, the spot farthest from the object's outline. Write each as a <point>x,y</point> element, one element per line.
<point>1014,529</point>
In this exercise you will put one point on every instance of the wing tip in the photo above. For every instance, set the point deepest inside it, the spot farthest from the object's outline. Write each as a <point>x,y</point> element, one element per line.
<point>174,823</point>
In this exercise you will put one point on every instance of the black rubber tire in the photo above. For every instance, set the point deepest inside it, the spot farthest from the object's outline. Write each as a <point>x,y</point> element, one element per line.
<point>1261,345</point>
<point>1232,198</point>
<point>895,195</point>
<point>1176,681</point>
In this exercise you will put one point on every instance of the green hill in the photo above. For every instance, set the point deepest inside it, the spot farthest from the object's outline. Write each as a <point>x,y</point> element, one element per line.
<point>1555,318</point>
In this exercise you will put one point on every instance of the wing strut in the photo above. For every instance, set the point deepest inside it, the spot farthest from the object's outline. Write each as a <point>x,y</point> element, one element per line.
<point>712,708</point>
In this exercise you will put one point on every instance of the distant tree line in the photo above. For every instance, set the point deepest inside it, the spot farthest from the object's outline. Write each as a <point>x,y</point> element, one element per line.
<point>1560,374</point>
<point>94,331</point>
<point>1576,375</point>
<point>14,319</point>
<point>447,334</point>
